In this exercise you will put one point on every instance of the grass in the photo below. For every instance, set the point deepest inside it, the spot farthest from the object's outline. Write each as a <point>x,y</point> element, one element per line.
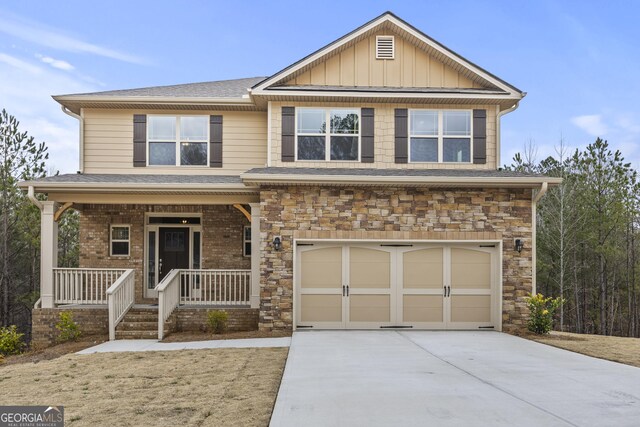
<point>214,387</point>
<point>617,349</point>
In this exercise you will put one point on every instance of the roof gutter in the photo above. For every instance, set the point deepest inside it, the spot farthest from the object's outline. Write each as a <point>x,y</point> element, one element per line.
<point>81,141</point>
<point>276,179</point>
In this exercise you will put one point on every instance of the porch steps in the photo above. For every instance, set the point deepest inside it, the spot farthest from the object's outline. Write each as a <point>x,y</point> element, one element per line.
<point>138,323</point>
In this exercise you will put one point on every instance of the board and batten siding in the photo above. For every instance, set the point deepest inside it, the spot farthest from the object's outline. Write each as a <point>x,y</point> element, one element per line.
<point>108,142</point>
<point>384,137</point>
<point>358,66</point>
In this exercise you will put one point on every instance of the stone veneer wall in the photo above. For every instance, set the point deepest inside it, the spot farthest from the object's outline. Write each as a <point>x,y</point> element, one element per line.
<point>91,320</point>
<point>392,213</point>
<point>222,228</point>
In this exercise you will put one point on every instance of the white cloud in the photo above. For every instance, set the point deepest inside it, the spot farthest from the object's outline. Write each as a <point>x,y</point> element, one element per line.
<point>56,63</point>
<point>591,124</point>
<point>37,33</point>
<point>14,62</point>
<point>26,94</point>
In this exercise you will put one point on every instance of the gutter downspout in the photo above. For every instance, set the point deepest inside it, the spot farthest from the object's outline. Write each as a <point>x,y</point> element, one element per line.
<point>32,196</point>
<point>498,117</point>
<point>534,200</point>
<point>81,121</point>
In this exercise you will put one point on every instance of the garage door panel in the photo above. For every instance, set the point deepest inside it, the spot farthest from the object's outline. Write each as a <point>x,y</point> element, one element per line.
<point>369,268</point>
<point>422,308</point>
<point>369,308</point>
<point>471,308</point>
<point>423,269</point>
<point>321,268</point>
<point>321,308</point>
<point>476,276</point>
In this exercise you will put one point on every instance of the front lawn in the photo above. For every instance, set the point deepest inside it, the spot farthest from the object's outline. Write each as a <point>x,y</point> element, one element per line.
<point>617,349</point>
<point>214,387</point>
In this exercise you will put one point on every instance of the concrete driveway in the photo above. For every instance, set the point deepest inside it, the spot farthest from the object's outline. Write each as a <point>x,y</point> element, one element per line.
<point>421,378</point>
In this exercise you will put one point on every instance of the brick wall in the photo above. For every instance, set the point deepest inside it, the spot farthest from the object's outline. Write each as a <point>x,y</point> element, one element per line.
<point>195,319</point>
<point>222,228</point>
<point>392,213</point>
<point>92,321</point>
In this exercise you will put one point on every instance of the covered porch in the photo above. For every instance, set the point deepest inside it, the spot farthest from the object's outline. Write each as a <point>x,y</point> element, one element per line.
<point>167,246</point>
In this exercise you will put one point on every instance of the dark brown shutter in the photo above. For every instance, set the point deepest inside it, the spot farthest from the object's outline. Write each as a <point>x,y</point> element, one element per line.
<point>367,130</point>
<point>480,136</point>
<point>288,134</point>
<point>401,135</point>
<point>139,140</point>
<point>215,141</point>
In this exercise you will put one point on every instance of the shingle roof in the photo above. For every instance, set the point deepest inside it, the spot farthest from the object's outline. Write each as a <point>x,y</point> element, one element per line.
<point>216,89</point>
<point>362,172</point>
<point>136,179</point>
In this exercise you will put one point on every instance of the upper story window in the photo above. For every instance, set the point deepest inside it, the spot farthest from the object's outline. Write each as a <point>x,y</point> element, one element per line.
<point>440,136</point>
<point>339,140</point>
<point>178,140</point>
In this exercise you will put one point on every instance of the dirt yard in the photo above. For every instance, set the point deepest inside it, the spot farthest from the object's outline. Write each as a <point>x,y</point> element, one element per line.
<point>218,387</point>
<point>617,349</point>
<point>49,353</point>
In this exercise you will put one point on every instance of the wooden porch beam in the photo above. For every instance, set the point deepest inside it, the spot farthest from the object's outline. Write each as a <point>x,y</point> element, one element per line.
<point>61,210</point>
<point>244,211</point>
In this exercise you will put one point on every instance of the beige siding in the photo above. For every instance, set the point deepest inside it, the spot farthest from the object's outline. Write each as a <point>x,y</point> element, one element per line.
<point>383,137</point>
<point>108,143</point>
<point>358,66</point>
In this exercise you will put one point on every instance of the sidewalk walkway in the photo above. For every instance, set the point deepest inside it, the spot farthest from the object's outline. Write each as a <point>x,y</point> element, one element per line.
<point>154,345</point>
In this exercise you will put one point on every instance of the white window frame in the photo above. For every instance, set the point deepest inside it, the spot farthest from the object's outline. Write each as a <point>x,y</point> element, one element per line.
<point>177,141</point>
<point>327,135</point>
<point>112,240</point>
<point>441,136</point>
<point>245,240</point>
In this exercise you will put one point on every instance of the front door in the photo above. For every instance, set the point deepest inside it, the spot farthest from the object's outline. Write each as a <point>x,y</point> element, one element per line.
<point>173,250</point>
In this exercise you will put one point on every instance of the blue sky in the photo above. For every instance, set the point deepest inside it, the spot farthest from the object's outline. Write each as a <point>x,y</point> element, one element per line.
<point>577,60</point>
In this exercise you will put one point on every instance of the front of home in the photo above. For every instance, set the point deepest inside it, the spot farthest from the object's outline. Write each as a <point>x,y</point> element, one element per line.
<point>357,188</point>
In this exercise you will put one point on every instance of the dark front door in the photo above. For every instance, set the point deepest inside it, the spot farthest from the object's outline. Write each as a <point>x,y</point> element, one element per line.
<point>173,250</point>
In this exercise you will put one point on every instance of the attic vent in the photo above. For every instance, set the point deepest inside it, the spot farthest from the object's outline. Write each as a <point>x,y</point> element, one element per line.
<point>385,47</point>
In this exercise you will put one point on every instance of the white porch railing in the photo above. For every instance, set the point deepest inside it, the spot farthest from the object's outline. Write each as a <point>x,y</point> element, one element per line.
<point>168,298</point>
<point>120,296</point>
<point>215,287</point>
<point>83,285</point>
<point>201,287</point>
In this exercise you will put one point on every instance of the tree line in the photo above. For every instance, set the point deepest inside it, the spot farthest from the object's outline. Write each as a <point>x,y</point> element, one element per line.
<point>587,238</point>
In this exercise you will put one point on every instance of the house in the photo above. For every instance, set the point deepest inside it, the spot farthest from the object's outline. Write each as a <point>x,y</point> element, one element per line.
<point>359,187</point>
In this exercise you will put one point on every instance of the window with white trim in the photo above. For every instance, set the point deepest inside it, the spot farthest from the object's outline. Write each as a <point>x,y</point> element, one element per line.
<point>119,239</point>
<point>442,136</point>
<point>246,241</point>
<point>178,140</point>
<point>340,140</point>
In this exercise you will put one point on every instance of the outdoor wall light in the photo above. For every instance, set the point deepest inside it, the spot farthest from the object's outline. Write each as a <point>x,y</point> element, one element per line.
<point>277,243</point>
<point>519,245</point>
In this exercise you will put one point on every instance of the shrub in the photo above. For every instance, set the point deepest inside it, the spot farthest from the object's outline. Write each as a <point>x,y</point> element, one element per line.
<point>541,312</point>
<point>11,341</point>
<point>69,330</point>
<point>218,321</point>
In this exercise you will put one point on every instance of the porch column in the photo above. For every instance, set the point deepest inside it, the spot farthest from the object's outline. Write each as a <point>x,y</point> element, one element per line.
<point>48,252</point>
<point>255,255</point>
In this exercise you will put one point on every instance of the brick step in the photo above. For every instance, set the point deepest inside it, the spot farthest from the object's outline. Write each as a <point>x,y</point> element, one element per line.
<point>137,326</point>
<point>136,335</point>
<point>140,317</point>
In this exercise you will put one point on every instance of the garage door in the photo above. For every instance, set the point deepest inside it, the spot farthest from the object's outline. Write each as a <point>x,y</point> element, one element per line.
<point>372,286</point>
